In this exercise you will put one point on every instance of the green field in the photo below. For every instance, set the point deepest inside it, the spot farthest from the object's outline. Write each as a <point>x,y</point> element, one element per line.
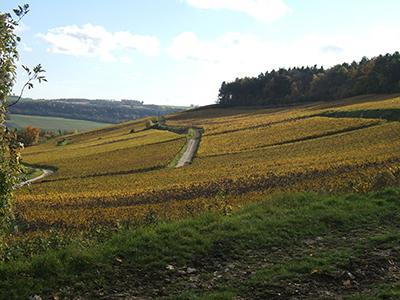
<point>51,123</point>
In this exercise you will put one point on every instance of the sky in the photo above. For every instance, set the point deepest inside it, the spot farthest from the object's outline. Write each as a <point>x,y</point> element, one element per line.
<point>178,52</point>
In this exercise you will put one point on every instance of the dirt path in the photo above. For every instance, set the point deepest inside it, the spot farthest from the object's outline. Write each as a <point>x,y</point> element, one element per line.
<point>192,145</point>
<point>46,172</point>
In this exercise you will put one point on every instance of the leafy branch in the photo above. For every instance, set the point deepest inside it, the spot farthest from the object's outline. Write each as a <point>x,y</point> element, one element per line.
<point>36,74</point>
<point>20,12</point>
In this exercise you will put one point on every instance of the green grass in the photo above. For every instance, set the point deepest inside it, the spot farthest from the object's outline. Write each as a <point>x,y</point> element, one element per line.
<point>296,245</point>
<point>175,160</point>
<point>51,123</point>
<point>30,173</point>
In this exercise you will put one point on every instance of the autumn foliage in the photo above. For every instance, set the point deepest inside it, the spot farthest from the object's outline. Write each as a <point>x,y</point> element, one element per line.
<point>29,136</point>
<point>112,176</point>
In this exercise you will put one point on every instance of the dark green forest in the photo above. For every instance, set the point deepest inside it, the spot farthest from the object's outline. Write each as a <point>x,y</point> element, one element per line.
<point>106,111</point>
<point>378,75</point>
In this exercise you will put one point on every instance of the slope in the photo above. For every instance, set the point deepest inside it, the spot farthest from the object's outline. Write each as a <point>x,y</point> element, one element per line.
<point>119,174</point>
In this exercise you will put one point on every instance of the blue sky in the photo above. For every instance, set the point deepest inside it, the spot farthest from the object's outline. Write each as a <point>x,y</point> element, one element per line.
<point>178,52</point>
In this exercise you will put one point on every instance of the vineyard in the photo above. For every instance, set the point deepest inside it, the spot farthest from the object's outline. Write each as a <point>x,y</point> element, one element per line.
<point>120,174</point>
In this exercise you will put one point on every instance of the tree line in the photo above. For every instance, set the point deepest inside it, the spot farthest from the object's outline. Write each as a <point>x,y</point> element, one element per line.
<point>378,75</point>
<point>106,111</point>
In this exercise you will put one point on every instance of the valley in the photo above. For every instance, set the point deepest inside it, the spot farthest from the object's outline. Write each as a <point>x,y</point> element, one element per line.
<point>256,172</point>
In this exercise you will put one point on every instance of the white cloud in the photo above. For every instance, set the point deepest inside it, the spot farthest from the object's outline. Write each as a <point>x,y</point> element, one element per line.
<point>131,76</point>
<point>232,47</point>
<point>237,55</point>
<point>25,47</point>
<point>95,41</point>
<point>331,49</point>
<point>125,59</point>
<point>263,10</point>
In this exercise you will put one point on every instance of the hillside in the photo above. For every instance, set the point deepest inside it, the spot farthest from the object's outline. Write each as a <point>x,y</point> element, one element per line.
<point>240,153</point>
<point>116,179</point>
<point>104,111</point>
<point>51,123</point>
